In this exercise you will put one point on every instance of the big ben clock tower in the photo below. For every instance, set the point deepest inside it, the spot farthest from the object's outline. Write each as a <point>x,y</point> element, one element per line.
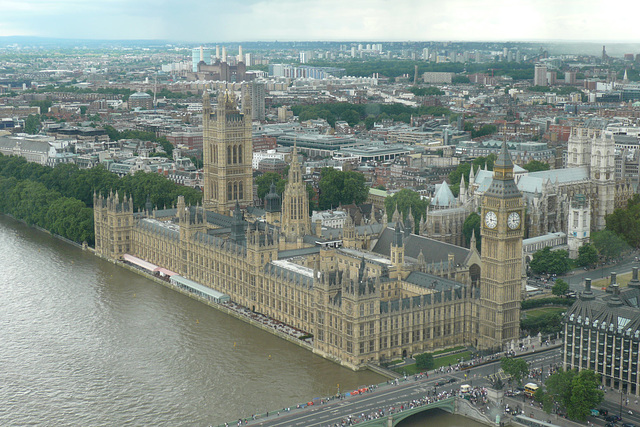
<point>501,277</point>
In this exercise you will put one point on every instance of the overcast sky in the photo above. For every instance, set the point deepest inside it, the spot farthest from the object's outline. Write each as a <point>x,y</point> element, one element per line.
<point>287,20</point>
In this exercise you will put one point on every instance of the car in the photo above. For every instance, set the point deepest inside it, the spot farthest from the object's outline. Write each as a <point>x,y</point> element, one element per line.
<point>603,411</point>
<point>453,380</point>
<point>595,412</point>
<point>628,425</point>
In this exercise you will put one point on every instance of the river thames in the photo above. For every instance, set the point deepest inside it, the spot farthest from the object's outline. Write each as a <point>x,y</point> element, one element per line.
<point>85,342</point>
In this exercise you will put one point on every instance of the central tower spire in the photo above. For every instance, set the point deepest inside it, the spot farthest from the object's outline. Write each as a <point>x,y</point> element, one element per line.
<point>295,203</point>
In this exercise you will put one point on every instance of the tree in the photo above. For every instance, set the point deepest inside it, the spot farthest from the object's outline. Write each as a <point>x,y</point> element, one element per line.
<point>559,387</point>
<point>352,117</point>
<point>263,183</point>
<point>472,226</point>
<point>341,187</point>
<point>424,361</point>
<point>424,91</point>
<point>626,222</point>
<point>44,105</point>
<point>587,255</point>
<point>575,392</point>
<point>585,394</point>
<point>560,288</point>
<point>405,200</point>
<point>536,165</point>
<point>608,243</point>
<point>516,368</point>
<point>32,124</point>
<point>369,122</point>
<point>545,398</point>
<point>547,261</point>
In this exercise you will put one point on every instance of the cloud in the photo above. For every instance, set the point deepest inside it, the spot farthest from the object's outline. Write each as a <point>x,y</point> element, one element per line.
<point>220,21</point>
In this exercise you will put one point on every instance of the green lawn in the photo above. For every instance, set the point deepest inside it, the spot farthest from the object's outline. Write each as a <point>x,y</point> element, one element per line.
<point>622,280</point>
<point>541,311</point>
<point>438,362</point>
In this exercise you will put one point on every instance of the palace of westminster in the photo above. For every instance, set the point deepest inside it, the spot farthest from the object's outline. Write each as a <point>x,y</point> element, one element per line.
<point>383,294</point>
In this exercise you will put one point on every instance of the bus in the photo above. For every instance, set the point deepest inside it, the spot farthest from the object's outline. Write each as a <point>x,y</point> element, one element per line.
<point>530,389</point>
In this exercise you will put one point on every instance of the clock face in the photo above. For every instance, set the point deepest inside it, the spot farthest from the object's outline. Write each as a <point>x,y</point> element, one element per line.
<point>491,219</point>
<point>513,221</point>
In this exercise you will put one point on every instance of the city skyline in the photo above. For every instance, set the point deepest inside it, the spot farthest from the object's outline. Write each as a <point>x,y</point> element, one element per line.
<point>331,20</point>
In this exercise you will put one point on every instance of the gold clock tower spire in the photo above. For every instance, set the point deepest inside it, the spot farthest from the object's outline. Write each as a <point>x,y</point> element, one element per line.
<point>501,277</point>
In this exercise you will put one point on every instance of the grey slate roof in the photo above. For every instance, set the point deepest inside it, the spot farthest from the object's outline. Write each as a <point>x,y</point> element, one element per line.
<point>433,250</point>
<point>25,144</point>
<point>298,252</point>
<point>430,281</point>
<point>534,181</point>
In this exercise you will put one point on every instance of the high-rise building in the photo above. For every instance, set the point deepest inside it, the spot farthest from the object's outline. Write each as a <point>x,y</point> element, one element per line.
<point>254,93</point>
<point>570,77</point>
<point>540,75</point>
<point>502,230</point>
<point>303,57</point>
<point>227,154</point>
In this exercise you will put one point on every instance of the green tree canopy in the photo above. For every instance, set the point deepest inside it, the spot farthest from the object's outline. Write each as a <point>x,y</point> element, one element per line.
<point>536,165</point>
<point>484,130</point>
<point>560,288</point>
<point>405,200</point>
<point>608,243</point>
<point>470,227</point>
<point>516,368</point>
<point>341,187</point>
<point>552,262</point>
<point>32,124</point>
<point>263,183</point>
<point>425,91</point>
<point>626,222</point>
<point>44,105</point>
<point>587,255</point>
<point>424,361</point>
<point>575,392</point>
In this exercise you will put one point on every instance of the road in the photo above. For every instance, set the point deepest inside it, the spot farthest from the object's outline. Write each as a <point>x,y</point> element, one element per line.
<point>391,395</point>
<point>576,278</point>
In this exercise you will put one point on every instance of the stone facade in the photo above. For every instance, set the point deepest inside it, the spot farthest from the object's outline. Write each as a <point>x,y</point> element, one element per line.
<point>397,295</point>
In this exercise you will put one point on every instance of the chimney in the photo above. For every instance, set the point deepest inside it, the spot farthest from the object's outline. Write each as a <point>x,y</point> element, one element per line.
<point>217,52</point>
<point>224,54</point>
<point>240,56</point>
<point>201,53</point>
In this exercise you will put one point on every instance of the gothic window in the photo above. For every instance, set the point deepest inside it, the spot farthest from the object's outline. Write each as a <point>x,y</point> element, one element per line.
<point>235,154</point>
<point>229,154</point>
<point>235,190</point>
<point>240,154</point>
<point>240,192</point>
<point>229,192</point>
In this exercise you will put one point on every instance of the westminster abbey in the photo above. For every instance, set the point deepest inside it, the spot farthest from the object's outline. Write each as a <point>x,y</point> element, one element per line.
<point>406,295</point>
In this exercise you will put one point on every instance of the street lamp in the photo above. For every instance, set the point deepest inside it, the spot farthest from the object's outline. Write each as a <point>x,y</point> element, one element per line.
<point>620,414</point>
